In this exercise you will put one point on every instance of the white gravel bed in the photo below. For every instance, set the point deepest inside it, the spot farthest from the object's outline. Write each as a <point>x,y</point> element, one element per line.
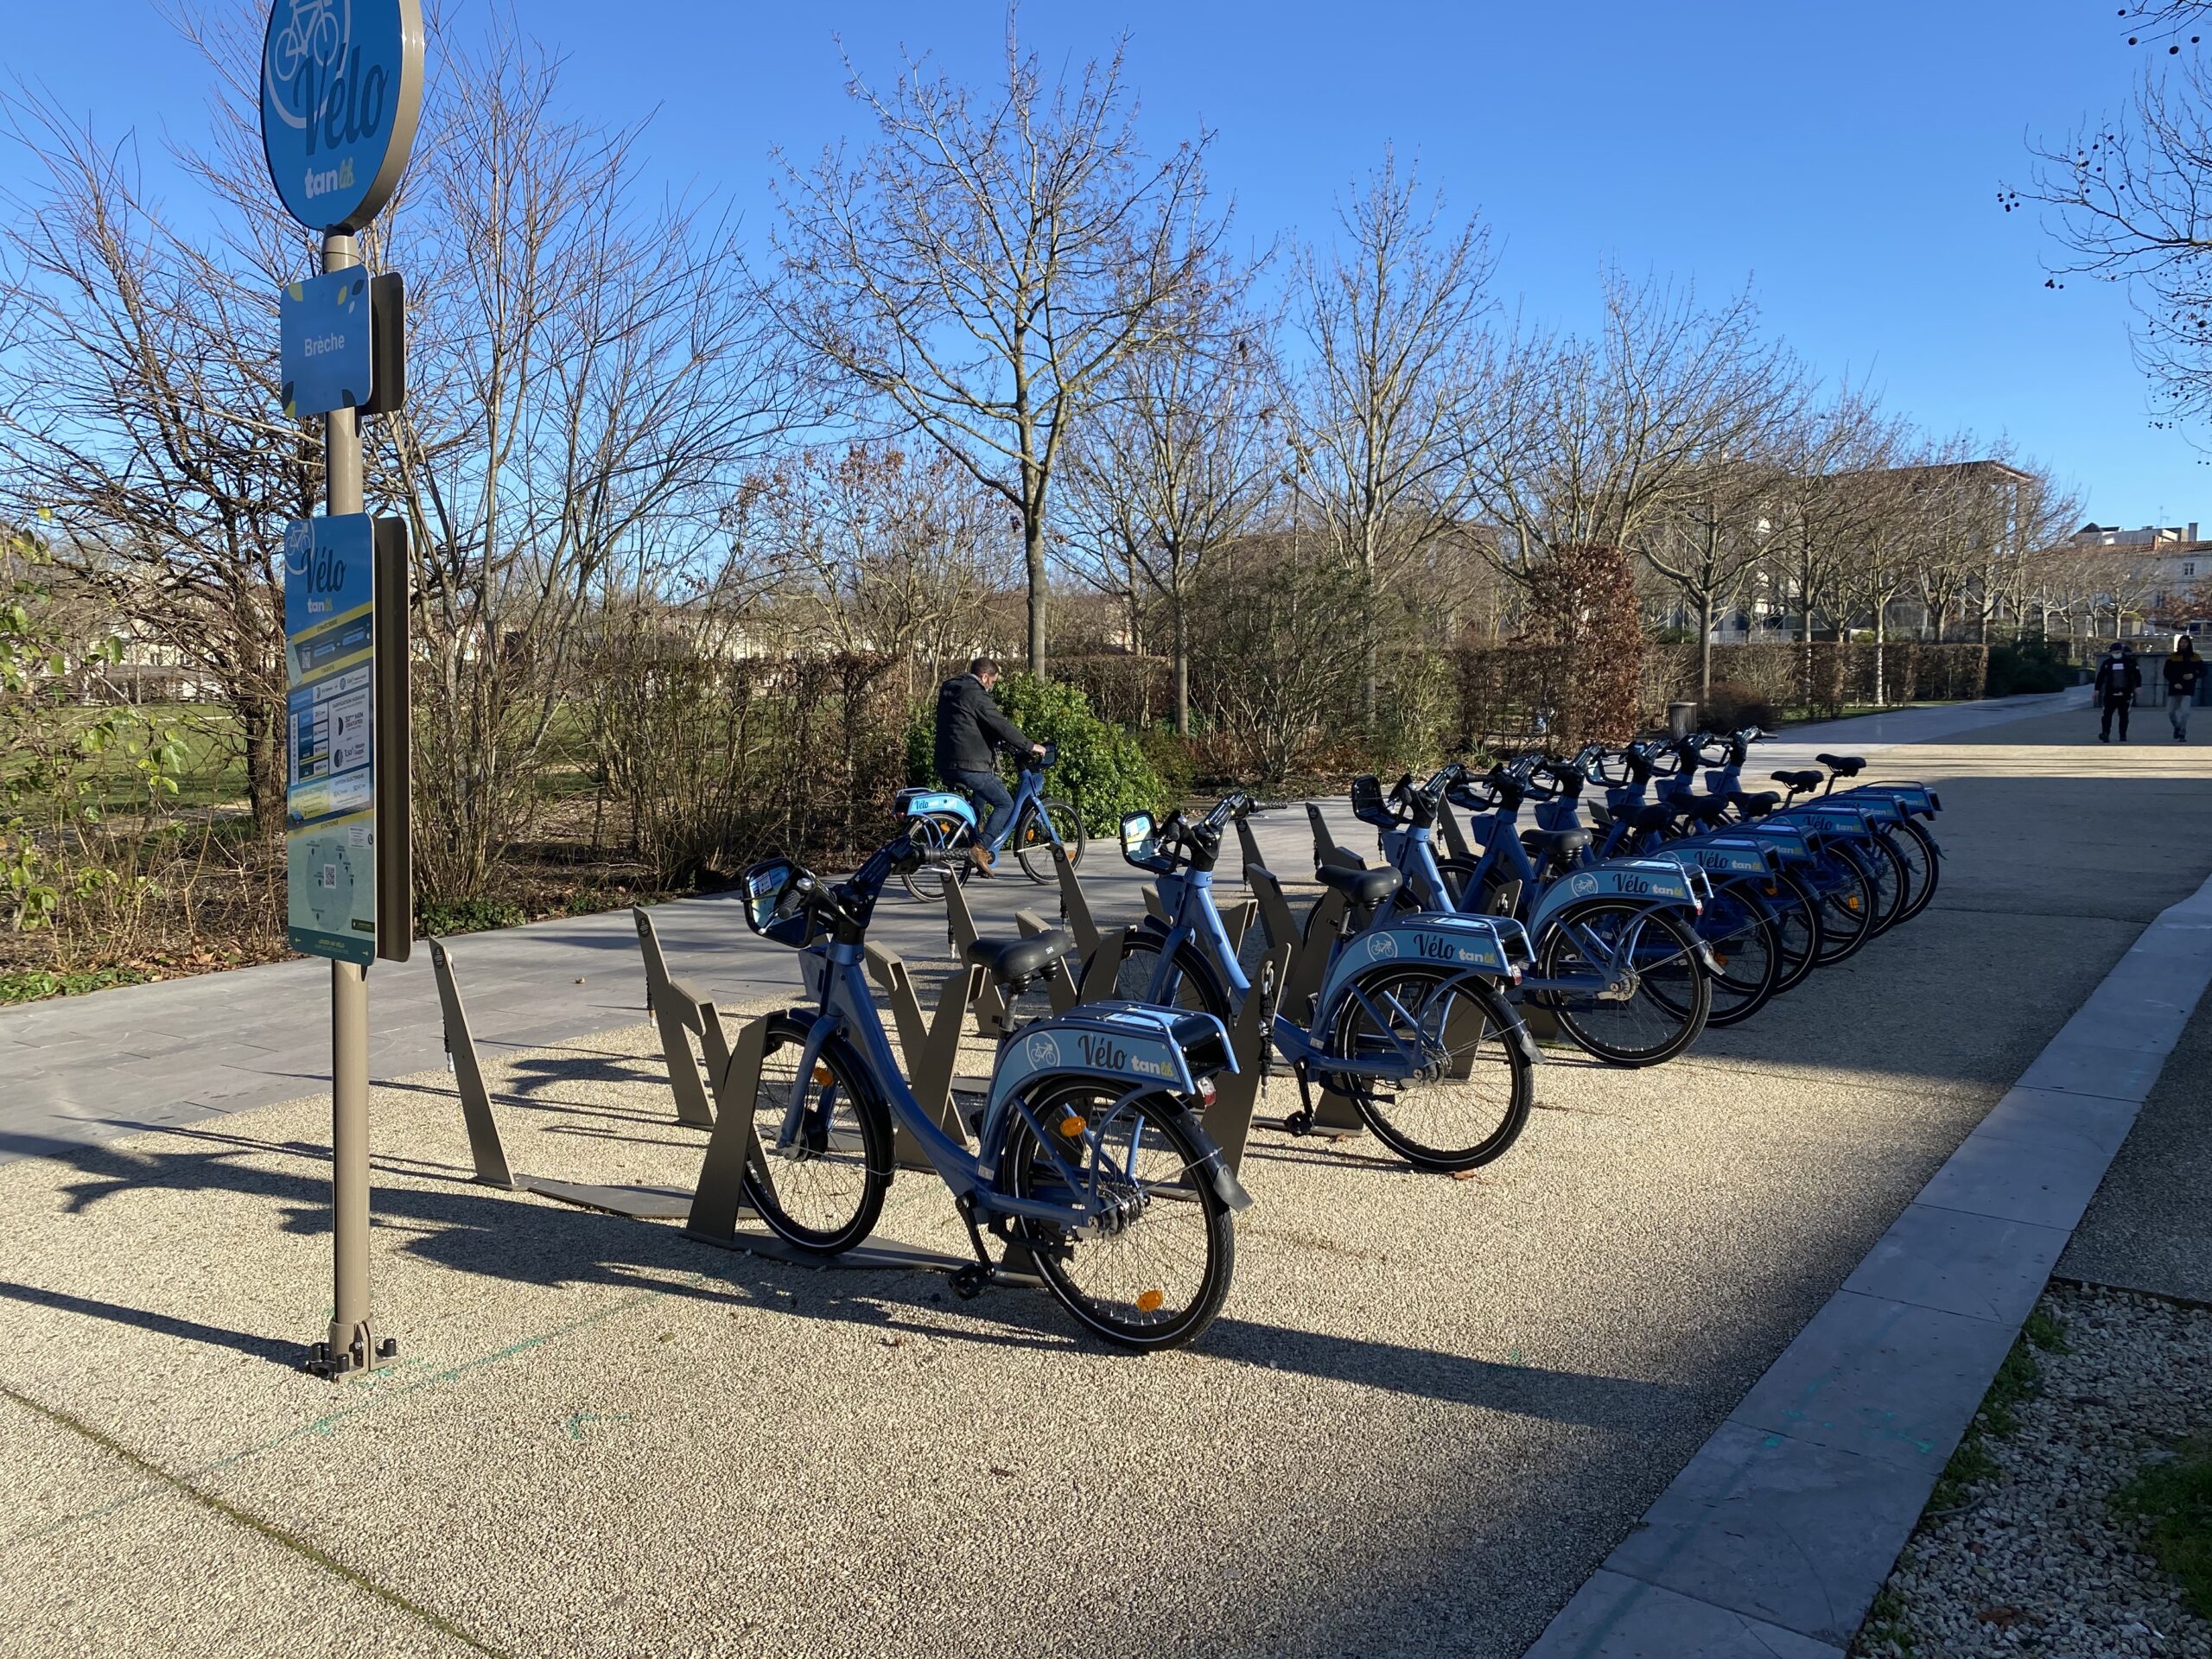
<point>2040,1562</point>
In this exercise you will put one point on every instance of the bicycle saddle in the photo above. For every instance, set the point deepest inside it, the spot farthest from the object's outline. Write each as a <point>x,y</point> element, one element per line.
<point>1754,804</point>
<point>1805,779</point>
<point>1009,961</point>
<point>1844,765</point>
<point>1361,887</point>
<point>1560,843</point>
<point>1704,809</point>
<point>1651,818</point>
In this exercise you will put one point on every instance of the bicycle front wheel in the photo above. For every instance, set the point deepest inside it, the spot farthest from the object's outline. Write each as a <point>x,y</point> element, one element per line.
<point>1467,1097</point>
<point>1033,836</point>
<point>1846,899</point>
<point>1798,928</point>
<point>823,1193</point>
<point>1152,1271</point>
<point>943,841</point>
<point>1190,983</point>
<point>1649,995</point>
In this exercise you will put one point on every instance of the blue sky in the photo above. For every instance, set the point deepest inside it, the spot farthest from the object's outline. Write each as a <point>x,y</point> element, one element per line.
<point>1844,159</point>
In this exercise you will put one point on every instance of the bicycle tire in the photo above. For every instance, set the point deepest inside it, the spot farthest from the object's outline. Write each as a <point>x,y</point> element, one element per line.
<point>1137,1260</point>
<point>1846,903</point>
<point>1034,851</point>
<point>1374,991</point>
<point>943,840</point>
<point>1918,849</point>
<point>1798,926</point>
<point>1891,878</point>
<point>771,1184</point>
<point>1684,1018</point>
<point>1196,984</point>
<point>1746,946</point>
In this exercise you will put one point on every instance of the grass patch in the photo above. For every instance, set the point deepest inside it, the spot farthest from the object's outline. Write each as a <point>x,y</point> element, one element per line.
<point>35,984</point>
<point>1885,1629</point>
<point>469,916</point>
<point>2017,1381</point>
<point>2173,1500</point>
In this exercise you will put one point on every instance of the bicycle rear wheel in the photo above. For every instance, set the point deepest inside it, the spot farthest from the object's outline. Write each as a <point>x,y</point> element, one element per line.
<point>1033,839</point>
<point>1846,899</point>
<point>824,1193</point>
<point>1797,927</point>
<point>1746,948</point>
<point>943,841</point>
<point>1892,880</point>
<point>1470,1100</point>
<point>1667,995</point>
<point>1923,864</point>
<point>1155,1272</point>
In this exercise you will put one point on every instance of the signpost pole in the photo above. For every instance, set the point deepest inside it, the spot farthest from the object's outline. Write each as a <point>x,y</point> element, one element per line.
<point>352,1345</point>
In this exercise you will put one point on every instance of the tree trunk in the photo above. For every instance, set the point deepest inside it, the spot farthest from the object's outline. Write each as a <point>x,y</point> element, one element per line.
<point>1178,607</point>
<point>1704,647</point>
<point>1033,554</point>
<point>262,723</point>
<point>1881,639</point>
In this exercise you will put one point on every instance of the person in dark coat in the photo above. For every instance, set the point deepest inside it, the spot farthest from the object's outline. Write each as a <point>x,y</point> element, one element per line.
<point>970,728</point>
<point>2119,678</point>
<point>2185,673</point>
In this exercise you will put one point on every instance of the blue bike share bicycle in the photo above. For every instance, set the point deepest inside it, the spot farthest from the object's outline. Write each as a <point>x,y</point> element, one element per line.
<point>1089,1156</point>
<point>1618,963</point>
<point>943,826</point>
<point>1408,1022</point>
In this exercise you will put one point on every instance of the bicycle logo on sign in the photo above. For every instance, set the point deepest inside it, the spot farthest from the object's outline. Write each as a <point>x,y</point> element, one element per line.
<point>316,33</point>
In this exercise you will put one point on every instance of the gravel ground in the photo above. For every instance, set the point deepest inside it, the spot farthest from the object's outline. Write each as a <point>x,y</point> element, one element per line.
<point>2040,1562</point>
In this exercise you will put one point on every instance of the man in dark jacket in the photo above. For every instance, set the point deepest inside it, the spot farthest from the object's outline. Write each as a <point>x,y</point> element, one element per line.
<point>2119,678</point>
<point>2185,673</point>
<point>970,728</point>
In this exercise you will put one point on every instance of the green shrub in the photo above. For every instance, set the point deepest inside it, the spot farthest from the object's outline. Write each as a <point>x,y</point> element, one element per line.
<point>2027,665</point>
<point>1101,768</point>
<point>1171,757</point>
<point>467,916</point>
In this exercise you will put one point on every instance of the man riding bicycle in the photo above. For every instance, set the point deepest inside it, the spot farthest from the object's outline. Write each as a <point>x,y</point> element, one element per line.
<point>970,728</point>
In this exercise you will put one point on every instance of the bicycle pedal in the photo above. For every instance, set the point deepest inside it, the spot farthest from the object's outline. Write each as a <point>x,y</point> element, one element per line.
<point>970,1281</point>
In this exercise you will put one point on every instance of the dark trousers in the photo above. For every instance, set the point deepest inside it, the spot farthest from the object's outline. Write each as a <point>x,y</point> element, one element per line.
<point>990,789</point>
<point>2115,702</point>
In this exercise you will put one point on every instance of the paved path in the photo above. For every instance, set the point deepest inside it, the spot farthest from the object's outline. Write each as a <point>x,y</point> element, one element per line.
<point>85,1068</point>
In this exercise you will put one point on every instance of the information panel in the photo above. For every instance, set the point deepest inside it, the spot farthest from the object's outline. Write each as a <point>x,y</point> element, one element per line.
<point>330,795</point>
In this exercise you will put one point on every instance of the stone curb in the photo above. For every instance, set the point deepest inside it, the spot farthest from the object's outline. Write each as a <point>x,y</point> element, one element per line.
<point>1776,1538</point>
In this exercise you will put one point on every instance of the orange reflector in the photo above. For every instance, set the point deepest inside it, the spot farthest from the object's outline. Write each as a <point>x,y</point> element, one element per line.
<point>1072,1127</point>
<point>1149,1301</point>
<point>823,1074</point>
<point>1720,961</point>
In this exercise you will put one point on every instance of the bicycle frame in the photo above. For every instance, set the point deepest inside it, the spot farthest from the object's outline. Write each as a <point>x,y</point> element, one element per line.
<point>1028,801</point>
<point>1466,945</point>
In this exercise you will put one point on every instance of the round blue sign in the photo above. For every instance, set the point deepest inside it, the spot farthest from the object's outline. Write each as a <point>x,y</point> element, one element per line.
<point>341,87</point>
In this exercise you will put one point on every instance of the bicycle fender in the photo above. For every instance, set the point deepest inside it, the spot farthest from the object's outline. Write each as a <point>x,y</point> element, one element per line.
<point>1521,1038</point>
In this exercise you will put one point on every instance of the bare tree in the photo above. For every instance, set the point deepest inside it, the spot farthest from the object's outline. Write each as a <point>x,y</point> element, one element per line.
<point>140,416</point>
<point>1587,442</point>
<point>988,260</point>
<point>1182,456</point>
<point>889,553</point>
<point>2129,197</point>
<point>1390,319</point>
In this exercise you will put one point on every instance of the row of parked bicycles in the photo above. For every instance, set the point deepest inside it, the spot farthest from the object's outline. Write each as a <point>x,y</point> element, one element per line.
<point>1620,900</point>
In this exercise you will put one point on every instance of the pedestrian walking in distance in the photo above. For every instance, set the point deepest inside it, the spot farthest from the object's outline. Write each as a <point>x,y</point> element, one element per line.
<point>2119,678</point>
<point>2185,673</point>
